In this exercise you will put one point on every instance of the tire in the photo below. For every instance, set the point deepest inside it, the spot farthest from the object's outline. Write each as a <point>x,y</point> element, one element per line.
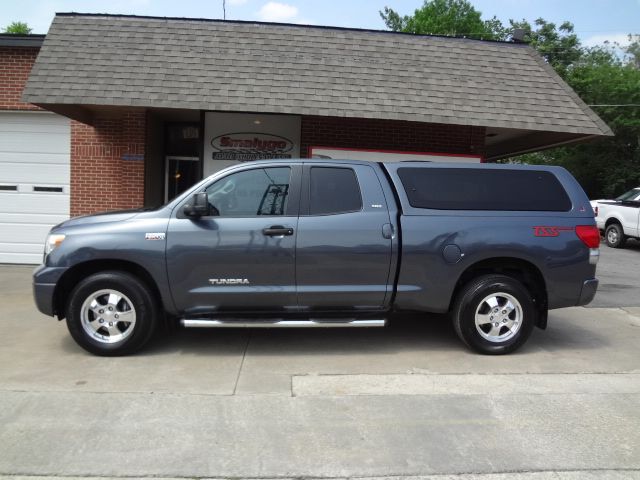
<point>475,306</point>
<point>614,236</point>
<point>96,309</point>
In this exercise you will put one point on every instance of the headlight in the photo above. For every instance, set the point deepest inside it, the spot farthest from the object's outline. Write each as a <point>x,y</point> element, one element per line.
<point>53,241</point>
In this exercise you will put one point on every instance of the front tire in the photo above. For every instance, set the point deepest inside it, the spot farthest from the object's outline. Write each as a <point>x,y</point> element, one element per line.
<point>111,313</point>
<point>494,314</point>
<point>614,236</point>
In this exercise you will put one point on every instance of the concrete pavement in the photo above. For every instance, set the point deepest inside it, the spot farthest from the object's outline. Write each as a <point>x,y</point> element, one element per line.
<point>547,475</point>
<point>409,400</point>
<point>619,276</point>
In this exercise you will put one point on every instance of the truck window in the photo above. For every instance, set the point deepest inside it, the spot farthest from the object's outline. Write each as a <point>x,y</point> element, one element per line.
<point>261,191</point>
<point>633,194</point>
<point>333,190</point>
<point>483,189</point>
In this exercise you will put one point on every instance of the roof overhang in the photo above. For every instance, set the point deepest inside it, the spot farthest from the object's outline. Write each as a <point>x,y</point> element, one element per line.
<point>11,40</point>
<point>499,142</point>
<point>505,142</point>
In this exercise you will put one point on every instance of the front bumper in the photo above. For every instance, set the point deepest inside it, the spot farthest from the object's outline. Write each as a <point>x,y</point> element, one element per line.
<point>589,288</point>
<point>44,286</point>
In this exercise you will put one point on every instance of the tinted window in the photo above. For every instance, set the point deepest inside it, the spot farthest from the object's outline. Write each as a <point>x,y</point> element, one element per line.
<point>262,191</point>
<point>483,189</point>
<point>333,190</point>
<point>633,194</point>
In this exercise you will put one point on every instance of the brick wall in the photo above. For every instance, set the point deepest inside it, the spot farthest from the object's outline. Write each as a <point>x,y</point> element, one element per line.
<point>107,163</point>
<point>390,135</point>
<point>15,65</point>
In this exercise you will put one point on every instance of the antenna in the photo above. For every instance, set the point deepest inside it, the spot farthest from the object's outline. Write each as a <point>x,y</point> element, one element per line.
<point>224,9</point>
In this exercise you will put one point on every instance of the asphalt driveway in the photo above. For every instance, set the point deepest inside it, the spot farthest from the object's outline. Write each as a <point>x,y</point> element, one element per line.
<point>402,401</point>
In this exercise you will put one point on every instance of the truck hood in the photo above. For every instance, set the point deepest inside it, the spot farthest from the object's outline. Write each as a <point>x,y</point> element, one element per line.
<point>117,216</point>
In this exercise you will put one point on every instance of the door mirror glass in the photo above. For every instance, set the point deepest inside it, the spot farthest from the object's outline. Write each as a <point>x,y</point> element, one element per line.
<point>199,206</point>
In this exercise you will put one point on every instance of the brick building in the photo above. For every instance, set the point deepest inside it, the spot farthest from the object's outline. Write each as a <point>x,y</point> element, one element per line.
<point>158,103</point>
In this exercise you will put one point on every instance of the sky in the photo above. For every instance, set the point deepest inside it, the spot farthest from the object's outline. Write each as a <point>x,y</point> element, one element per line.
<point>595,20</point>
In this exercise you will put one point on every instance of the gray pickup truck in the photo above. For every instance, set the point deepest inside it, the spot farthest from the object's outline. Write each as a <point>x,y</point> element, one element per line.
<point>316,243</point>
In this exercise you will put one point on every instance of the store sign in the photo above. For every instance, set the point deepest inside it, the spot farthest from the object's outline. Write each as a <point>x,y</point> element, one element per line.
<point>250,146</point>
<point>231,138</point>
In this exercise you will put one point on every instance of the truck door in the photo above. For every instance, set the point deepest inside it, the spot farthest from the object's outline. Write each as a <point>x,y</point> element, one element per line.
<point>628,210</point>
<point>344,241</point>
<point>243,258</point>
<point>634,214</point>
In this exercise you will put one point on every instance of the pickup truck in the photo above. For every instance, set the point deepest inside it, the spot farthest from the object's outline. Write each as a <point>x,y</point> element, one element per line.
<point>329,243</point>
<point>619,219</point>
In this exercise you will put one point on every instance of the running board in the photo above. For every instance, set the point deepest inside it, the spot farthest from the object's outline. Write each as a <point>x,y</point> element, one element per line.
<point>280,323</point>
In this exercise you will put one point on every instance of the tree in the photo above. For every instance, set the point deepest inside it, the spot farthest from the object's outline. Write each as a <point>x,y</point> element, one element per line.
<point>446,17</point>
<point>612,86</point>
<point>17,28</point>
<point>633,50</point>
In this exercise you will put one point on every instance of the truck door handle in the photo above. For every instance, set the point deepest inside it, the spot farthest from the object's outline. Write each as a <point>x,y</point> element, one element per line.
<point>277,230</point>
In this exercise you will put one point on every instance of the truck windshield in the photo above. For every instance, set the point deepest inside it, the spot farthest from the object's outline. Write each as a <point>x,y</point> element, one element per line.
<point>632,194</point>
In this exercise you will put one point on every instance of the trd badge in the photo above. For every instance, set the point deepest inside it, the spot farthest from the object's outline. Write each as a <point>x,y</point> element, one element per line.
<point>154,236</point>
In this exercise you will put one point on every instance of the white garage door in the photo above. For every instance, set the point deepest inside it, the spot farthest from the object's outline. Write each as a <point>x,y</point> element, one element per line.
<point>34,182</point>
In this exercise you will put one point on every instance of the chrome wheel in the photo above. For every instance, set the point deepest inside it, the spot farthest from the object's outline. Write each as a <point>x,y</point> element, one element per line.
<point>498,317</point>
<point>612,236</point>
<point>108,316</point>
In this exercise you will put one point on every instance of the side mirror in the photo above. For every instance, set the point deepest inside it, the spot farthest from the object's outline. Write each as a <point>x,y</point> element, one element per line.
<point>198,206</point>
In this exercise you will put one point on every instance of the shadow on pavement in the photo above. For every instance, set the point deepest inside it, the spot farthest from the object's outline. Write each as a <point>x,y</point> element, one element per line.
<point>433,333</point>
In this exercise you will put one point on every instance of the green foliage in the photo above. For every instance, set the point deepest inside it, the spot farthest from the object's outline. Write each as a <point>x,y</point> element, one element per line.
<point>445,17</point>
<point>601,78</point>
<point>633,50</point>
<point>17,28</point>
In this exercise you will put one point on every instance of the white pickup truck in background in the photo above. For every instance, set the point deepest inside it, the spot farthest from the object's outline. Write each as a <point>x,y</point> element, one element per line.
<point>619,219</point>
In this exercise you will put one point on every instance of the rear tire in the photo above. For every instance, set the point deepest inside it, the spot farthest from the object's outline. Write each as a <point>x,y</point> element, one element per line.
<point>614,236</point>
<point>494,314</point>
<point>111,313</point>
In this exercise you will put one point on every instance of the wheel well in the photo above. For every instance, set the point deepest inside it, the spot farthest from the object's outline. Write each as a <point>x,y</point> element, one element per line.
<point>611,221</point>
<point>525,272</point>
<point>75,274</point>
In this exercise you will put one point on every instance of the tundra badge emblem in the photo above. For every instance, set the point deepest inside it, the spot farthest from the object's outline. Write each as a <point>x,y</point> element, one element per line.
<point>228,281</point>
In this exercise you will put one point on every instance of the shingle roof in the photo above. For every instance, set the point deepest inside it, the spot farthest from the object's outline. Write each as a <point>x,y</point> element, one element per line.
<point>279,68</point>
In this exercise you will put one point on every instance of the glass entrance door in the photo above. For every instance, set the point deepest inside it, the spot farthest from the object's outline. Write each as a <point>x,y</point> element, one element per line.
<point>181,173</point>
<point>183,165</point>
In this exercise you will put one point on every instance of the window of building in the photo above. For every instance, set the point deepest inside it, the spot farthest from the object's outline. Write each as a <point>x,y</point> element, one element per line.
<point>333,190</point>
<point>261,191</point>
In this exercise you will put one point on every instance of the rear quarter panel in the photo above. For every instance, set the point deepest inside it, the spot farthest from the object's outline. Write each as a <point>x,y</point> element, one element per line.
<point>427,281</point>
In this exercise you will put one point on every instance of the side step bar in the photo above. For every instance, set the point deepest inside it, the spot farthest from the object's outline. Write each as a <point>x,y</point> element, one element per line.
<point>281,323</point>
